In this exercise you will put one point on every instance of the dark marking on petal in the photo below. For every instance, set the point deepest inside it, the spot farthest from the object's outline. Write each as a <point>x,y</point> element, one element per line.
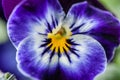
<point>76,28</point>
<point>42,34</point>
<point>72,25</point>
<point>45,44</point>
<point>49,27</point>
<point>46,49</point>
<point>72,50</point>
<point>80,33</point>
<point>56,21</point>
<point>67,55</point>
<point>69,41</point>
<point>53,22</point>
<point>47,40</point>
<point>52,53</point>
<point>59,54</point>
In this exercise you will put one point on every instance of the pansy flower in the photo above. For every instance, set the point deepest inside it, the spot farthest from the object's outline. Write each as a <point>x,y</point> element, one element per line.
<point>52,45</point>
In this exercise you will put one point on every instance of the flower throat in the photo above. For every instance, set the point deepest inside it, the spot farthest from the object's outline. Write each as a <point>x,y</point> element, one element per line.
<point>59,37</point>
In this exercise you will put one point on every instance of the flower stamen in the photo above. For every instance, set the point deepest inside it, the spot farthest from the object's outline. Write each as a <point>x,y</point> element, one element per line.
<point>59,39</point>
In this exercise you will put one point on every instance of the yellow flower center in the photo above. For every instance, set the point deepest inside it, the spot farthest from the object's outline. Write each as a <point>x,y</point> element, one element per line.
<point>58,39</point>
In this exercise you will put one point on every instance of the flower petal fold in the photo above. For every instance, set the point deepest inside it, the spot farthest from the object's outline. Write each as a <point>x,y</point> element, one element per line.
<point>8,6</point>
<point>89,61</point>
<point>34,17</point>
<point>102,25</point>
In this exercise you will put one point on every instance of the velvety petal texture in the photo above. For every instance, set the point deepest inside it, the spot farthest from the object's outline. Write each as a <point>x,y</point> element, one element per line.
<point>34,17</point>
<point>54,46</point>
<point>77,64</point>
<point>97,23</point>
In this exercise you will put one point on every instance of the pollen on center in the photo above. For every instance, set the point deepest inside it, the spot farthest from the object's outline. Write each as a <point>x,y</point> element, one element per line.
<point>58,39</point>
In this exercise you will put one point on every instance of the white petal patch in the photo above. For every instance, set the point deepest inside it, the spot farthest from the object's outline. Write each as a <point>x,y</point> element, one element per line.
<point>64,60</point>
<point>45,60</point>
<point>89,24</point>
<point>54,15</point>
<point>87,50</point>
<point>39,27</point>
<point>54,62</point>
<point>85,24</point>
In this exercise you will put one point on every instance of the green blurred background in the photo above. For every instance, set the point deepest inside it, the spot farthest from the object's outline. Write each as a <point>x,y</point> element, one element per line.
<point>112,71</point>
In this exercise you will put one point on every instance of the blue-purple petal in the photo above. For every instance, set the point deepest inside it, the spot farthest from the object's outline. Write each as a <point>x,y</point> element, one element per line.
<point>83,67</point>
<point>30,59</point>
<point>33,17</point>
<point>9,5</point>
<point>91,60</point>
<point>102,25</point>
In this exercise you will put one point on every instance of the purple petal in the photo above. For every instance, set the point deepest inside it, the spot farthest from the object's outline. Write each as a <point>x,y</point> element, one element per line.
<point>97,4</point>
<point>32,63</point>
<point>102,25</point>
<point>66,4</point>
<point>108,37</point>
<point>33,17</point>
<point>30,59</point>
<point>9,5</point>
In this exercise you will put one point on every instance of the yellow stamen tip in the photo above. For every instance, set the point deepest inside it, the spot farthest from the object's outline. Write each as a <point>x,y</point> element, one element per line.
<point>58,40</point>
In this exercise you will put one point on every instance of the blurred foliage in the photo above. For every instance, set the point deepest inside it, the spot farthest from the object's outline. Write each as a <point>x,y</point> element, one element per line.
<point>3,32</point>
<point>113,6</point>
<point>9,76</point>
<point>117,57</point>
<point>112,73</point>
